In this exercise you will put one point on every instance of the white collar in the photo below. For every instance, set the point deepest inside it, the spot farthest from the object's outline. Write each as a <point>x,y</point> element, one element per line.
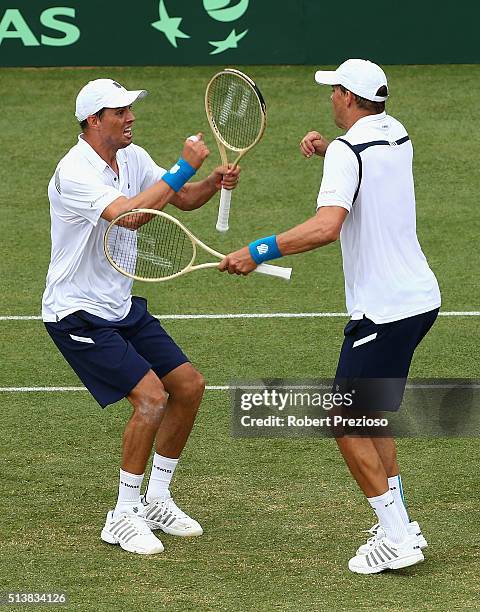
<point>369,119</point>
<point>94,158</point>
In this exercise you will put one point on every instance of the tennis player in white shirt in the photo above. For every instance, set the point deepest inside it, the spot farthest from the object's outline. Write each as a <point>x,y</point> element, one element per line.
<point>115,346</point>
<point>367,200</point>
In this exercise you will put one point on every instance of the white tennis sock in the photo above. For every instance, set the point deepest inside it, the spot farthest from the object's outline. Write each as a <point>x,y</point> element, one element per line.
<point>389,517</point>
<point>395,484</point>
<point>160,477</point>
<point>128,492</point>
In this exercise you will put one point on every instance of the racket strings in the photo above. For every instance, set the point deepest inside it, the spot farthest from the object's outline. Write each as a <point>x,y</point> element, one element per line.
<point>149,246</point>
<point>235,110</point>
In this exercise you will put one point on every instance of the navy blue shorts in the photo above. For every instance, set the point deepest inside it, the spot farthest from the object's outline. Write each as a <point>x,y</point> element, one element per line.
<point>111,357</point>
<point>382,354</point>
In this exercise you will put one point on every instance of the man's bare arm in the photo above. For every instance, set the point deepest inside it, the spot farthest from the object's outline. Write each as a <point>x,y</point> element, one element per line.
<point>160,194</point>
<point>195,194</point>
<point>320,230</point>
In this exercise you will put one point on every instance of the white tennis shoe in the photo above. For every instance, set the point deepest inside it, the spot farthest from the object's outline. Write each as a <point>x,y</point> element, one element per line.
<point>384,555</point>
<point>131,531</point>
<point>413,528</point>
<point>164,514</point>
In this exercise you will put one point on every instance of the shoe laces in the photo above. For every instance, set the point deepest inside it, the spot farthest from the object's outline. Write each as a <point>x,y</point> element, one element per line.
<point>373,530</point>
<point>374,539</point>
<point>168,506</point>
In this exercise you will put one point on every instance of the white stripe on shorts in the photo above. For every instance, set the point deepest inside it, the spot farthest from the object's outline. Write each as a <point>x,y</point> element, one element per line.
<point>82,339</point>
<point>365,340</point>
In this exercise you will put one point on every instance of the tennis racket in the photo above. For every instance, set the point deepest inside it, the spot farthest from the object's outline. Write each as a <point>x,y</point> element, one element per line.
<point>237,115</point>
<point>150,245</point>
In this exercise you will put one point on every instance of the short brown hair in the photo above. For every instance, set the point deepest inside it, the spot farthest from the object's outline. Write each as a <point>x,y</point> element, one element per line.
<point>84,123</point>
<point>369,105</point>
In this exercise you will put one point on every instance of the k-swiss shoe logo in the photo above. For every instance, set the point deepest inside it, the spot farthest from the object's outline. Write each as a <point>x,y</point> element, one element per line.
<point>262,248</point>
<point>135,509</point>
<point>125,484</point>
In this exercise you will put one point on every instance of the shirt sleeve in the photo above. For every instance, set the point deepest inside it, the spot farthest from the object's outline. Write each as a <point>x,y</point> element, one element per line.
<point>84,197</point>
<point>340,177</point>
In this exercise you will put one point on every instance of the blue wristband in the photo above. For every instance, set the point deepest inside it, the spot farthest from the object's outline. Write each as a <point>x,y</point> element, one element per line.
<point>179,174</point>
<point>264,249</point>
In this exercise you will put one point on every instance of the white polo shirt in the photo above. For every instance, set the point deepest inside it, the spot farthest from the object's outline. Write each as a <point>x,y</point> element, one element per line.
<point>387,277</point>
<point>79,276</point>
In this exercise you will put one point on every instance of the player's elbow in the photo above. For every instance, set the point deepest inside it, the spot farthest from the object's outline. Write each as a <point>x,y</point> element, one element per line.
<point>329,221</point>
<point>115,208</point>
<point>331,233</point>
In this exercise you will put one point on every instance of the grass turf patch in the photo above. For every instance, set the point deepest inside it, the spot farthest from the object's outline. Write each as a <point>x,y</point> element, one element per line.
<point>281,517</point>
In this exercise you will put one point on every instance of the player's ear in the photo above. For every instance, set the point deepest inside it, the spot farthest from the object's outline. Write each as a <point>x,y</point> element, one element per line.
<point>93,121</point>
<point>349,98</point>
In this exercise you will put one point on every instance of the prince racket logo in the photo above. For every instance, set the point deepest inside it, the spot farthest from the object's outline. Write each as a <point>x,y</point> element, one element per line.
<point>234,94</point>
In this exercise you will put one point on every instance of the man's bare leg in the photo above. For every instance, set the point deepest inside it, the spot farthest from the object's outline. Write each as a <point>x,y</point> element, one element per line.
<point>163,409</point>
<point>387,450</point>
<point>148,399</point>
<point>366,466</point>
<point>364,463</point>
<point>185,387</point>
<point>126,525</point>
<point>151,408</point>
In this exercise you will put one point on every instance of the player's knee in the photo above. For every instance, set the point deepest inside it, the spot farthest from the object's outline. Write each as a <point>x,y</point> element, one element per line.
<point>196,386</point>
<point>150,407</point>
<point>191,390</point>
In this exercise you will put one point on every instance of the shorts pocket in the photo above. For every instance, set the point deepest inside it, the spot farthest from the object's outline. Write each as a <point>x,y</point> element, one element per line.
<point>351,326</point>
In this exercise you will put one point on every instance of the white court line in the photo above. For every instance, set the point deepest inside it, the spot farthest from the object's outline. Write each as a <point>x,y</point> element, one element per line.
<point>252,315</point>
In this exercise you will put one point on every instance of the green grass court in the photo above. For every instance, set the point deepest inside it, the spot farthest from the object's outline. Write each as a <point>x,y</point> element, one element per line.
<point>281,517</point>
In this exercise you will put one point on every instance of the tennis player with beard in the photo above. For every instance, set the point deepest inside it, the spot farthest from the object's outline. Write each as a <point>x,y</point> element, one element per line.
<point>107,336</point>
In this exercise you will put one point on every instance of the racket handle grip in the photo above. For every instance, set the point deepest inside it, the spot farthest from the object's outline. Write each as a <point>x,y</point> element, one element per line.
<point>279,271</point>
<point>224,210</point>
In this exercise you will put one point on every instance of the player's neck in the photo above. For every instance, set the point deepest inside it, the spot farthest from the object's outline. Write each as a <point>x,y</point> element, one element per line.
<point>103,150</point>
<point>355,115</point>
